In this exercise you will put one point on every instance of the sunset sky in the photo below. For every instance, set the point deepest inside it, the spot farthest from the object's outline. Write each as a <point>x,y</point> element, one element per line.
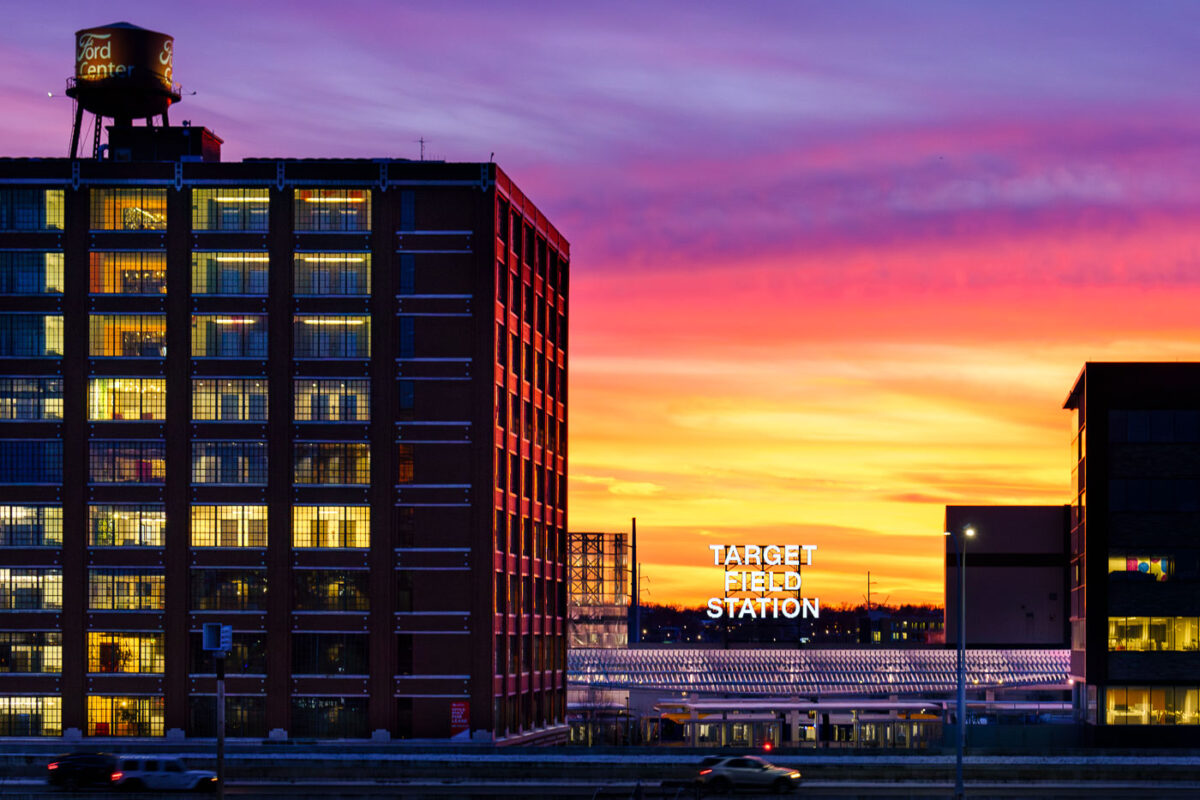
<point>835,266</point>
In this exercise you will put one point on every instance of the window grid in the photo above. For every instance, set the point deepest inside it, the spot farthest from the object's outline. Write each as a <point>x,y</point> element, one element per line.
<point>224,272</point>
<point>229,590</point>
<point>329,654</point>
<point>133,461</point>
<point>30,589</point>
<point>331,590</point>
<point>125,589</point>
<point>31,461</point>
<point>333,210</point>
<point>331,526</point>
<point>30,652</point>
<point>30,526</point>
<point>229,526</point>
<point>332,336</point>
<point>229,336</point>
<point>230,209</point>
<point>331,400</point>
<point>229,399</point>
<point>248,656</point>
<point>30,272</point>
<point>220,462</point>
<point>332,463</point>
<point>31,398</point>
<point>1152,705</point>
<point>138,209</point>
<point>127,525</point>
<point>31,335</point>
<point>110,715</point>
<point>127,398</point>
<point>118,651</point>
<point>30,716</point>
<point>341,273</point>
<point>127,273</point>
<point>31,209</point>
<point>127,335</point>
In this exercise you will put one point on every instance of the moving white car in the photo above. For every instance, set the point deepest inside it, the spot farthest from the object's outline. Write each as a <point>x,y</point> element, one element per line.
<point>721,774</point>
<point>160,773</point>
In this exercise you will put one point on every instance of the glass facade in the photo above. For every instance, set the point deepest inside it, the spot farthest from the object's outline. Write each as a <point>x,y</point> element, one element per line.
<point>30,526</point>
<point>134,461</point>
<point>1152,705</point>
<point>30,715</point>
<point>31,209</point>
<point>128,272</point>
<point>137,209</point>
<point>229,526</point>
<point>127,399</point>
<point>31,398</point>
<point>1153,633</point>
<point>345,273</point>
<point>25,335</point>
<point>332,463</point>
<point>248,656</point>
<point>331,526</point>
<point>333,210</point>
<point>31,272</point>
<point>109,715</point>
<point>127,525</point>
<point>125,589</point>
<point>331,399</point>
<point>331,590</point>
<point>229,463</point>
<point>332,336</point>
<point>234,273</point>
<point>31,589</point>
<point>229,399</point>
<point>230,209</point>
<point>229,590</point>
<point>30,652</point>
<point>125,651</point>
<point>229,336</point>
<point>25,461</point>
<point>127,335</point>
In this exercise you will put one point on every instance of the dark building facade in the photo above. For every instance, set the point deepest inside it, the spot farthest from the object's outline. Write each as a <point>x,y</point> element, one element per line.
<point>1135,551</point>
<point>322,401</point>
<point>1016,565</point>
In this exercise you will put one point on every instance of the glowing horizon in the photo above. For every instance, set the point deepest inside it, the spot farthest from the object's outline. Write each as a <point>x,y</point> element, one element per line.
<point>833,268</point>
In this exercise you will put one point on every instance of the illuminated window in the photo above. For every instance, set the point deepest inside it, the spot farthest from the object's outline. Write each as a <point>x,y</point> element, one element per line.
<point>332,273</point>
<point>229,336</point>
<point>31,398</point>
<point>129,209</point>
<point>127,398</point>
<point>118,651</point>
<point>126,525</point>
<point>404,465</point>
<point>336,463</point>
<point>230,209</point>
<point>248,656</point>
<point>1150,569</point>
<point>30,589</point>
<point>331,590</point>
<point>1152,705</point>
<point>229,590</point>
<point>30,461</point>
<point>135,461</point>
<point>31,272</point>
<point>31,335</point>
<point>341,336</point>
<point>1153,633</point>
<point>331,400</point>
<point>30,526</point>
<point>229,399</point>
<point>230,272</point>
<point>128,273</point>
<point>329,654</point>
<point>30,715</point>
<point>331,526</point>
<point>129,589</point>
<point>30,651</point>
<point>31,209</point>
<point>222,462</point>
<point>124,716</point>
<point>333,210</point>
<point>229,526</point>
<point>127,335</point>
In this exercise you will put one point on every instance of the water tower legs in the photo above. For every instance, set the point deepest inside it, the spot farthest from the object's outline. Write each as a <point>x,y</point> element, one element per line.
<point>75,130</point>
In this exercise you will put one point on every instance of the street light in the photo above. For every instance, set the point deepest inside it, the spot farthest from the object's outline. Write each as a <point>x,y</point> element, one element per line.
<point>960,555</point>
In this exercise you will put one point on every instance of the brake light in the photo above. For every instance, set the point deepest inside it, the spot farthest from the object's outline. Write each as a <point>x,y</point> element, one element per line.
<point>116,776</point>
<point>53,765</point>
<point>767,746</point>
<point>706,772</point>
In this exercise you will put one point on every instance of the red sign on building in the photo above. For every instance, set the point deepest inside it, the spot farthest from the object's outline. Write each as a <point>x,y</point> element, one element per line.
<point>460,717</point>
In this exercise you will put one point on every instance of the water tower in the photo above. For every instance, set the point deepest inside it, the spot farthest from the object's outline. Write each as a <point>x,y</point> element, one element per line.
<point>123,72</point>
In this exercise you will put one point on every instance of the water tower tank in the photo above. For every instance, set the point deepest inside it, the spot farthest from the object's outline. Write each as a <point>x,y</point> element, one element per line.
<point>123,72</point>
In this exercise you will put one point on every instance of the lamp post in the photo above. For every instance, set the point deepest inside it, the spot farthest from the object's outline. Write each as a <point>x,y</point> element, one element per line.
<point>960,553</point>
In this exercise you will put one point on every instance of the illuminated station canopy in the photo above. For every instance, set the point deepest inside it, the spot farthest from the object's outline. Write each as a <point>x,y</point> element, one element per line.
<point>813,672</point>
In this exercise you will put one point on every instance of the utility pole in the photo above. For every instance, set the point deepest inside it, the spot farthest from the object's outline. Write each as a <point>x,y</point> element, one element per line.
<point>220,657</point>
<point>636,577</point>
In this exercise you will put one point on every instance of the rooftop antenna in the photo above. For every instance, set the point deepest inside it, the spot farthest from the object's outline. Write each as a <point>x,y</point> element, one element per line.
<point>422,142</point>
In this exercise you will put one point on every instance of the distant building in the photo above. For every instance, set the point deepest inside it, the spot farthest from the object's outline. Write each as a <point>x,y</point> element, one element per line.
<point>896,627</point>
<point>599,590</point>
<point>1135,551</point>
<point>1016,576</point>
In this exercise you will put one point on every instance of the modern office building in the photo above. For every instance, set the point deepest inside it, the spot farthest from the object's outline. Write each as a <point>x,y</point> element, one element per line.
<point>1016,566</point>
<point>1135,551</point>
<point>322,401</point>
<point>599,589</point>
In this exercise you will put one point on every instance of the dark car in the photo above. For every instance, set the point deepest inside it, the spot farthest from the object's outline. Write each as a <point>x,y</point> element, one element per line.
<point>81,770</point>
